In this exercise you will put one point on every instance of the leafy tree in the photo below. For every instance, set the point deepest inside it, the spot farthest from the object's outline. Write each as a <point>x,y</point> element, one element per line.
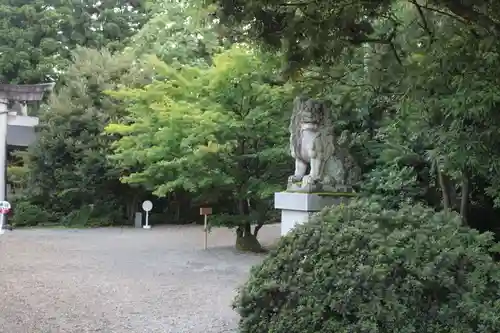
<point>317,31</point>
<point>444,115</point>
<point>105,23</point>
<point>413,81</point>
<point>36,37</point>
<point>457,108</point>
<point>218,132</point>
<point>178,31</point>
<point>68,167</point>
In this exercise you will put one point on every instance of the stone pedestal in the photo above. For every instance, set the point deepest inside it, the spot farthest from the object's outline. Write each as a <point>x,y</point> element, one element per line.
<point>297,208</point>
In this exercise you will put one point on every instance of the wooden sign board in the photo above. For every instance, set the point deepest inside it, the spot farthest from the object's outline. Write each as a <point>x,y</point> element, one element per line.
<point>206,211</point>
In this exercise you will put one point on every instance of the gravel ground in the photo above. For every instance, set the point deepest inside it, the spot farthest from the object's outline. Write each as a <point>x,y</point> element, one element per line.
<point>121,280</point>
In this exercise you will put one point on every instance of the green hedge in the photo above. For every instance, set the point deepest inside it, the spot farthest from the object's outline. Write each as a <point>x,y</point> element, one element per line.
<point>27,214</point>
<point>364,269</point>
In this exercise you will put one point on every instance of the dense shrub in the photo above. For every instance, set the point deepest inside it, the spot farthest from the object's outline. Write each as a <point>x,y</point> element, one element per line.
<point>88,216</point>
<point>361,268</point>
<point>26,214</point>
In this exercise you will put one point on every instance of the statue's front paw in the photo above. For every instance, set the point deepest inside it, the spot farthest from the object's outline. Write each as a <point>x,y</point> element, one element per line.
<point>308,180</point>
<point>294,183</point>
<point>311,184</point>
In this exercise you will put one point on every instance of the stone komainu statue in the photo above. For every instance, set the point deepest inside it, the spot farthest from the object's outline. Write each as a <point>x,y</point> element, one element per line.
<point>314,147</point>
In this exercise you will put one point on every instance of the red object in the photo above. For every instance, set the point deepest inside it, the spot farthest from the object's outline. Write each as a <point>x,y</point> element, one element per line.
<point>4,210</point>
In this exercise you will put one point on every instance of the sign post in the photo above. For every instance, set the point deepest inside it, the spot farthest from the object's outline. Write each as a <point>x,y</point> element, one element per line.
<point>4,209</point>
<point>147,206</point>
<point>205,211</point>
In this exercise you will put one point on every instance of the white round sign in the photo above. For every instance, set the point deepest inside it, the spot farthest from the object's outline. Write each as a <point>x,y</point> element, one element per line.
<point>147,205</point>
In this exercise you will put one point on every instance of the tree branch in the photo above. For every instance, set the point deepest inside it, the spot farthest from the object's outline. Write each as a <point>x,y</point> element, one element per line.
<point>257,228</point>
<point>470,15</point>
<point>296,4</point>
<point>442,12</point>
<point>393,48</point>
<point>464,202</point>
<point>422,17</point>
<point>444,188</point>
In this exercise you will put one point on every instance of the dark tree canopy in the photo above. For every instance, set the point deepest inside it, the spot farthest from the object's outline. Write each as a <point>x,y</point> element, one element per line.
<point>316,31</point>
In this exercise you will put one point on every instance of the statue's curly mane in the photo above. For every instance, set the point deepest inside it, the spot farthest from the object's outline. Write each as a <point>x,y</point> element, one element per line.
<point>318,109</point>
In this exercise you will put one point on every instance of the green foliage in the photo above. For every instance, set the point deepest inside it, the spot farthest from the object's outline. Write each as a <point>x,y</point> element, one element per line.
<point>27,214</point>
<point>68,167</point>
<point>392,185</point>
<point>418,96</point>
<point>178,32</point>
<point>87,216</point>
<point>17,175</point>
<point>219,133</point>
<point>318,32</point>
<point>205,121</point>
<point>362,268</point>
<point>36,37</point>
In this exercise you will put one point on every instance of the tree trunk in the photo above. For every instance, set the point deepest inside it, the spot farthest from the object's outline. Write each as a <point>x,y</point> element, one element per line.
<point>245,239</point>
<point>257,229</point>
<point>445,189</point>
<point>464,202</point>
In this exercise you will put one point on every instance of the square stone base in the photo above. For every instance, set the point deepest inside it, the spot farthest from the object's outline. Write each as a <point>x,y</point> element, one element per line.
<point>297,208</point>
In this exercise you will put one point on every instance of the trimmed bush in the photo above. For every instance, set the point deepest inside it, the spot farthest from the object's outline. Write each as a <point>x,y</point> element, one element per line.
<point>26,214</point>
<point>361,268</point>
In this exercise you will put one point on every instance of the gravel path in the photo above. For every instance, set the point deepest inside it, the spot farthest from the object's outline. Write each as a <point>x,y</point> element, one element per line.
<point>114,281</point>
